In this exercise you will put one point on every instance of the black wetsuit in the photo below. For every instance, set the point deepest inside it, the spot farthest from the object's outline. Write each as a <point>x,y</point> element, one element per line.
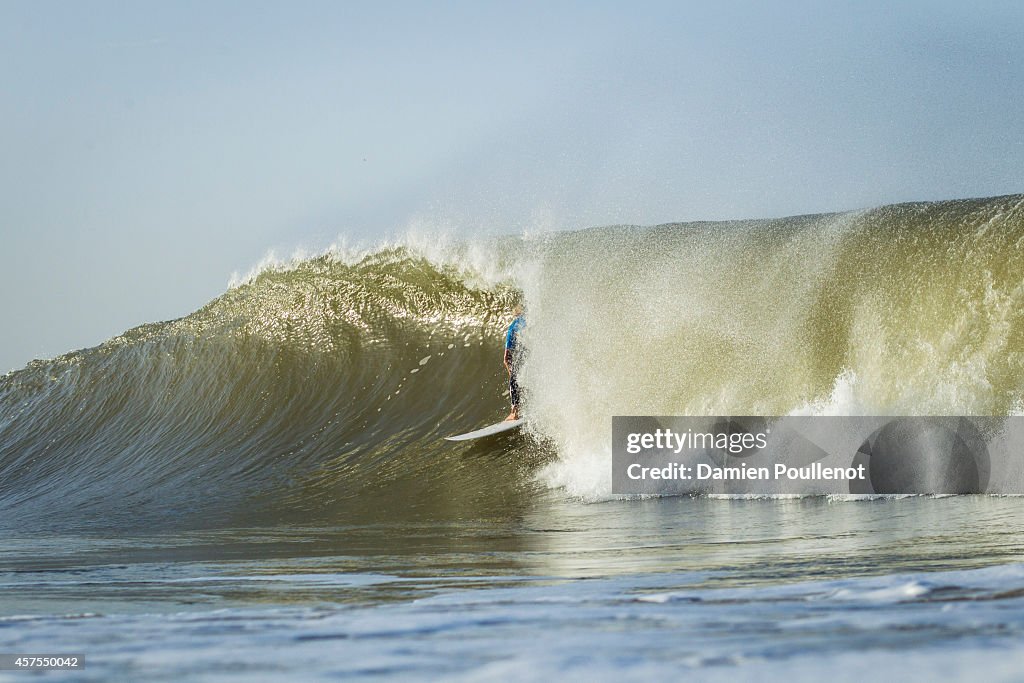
<point>514,350</point>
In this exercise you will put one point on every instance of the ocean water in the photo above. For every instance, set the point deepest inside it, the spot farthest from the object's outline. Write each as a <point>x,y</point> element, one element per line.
<point>917,588</point>
<point>261,491</point>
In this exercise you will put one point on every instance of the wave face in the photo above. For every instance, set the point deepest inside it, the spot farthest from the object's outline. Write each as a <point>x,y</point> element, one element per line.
<point>321,390</point>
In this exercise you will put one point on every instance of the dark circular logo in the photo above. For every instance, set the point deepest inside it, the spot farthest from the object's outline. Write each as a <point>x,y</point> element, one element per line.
<point>924,455</point>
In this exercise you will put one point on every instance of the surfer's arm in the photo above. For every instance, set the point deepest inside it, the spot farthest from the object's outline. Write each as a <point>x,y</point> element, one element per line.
<point>508,360</point>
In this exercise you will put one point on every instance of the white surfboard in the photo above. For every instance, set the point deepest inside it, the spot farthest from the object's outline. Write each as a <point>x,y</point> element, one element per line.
<point>505,426</point>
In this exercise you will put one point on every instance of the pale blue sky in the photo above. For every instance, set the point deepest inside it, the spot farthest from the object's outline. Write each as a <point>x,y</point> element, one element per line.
<point>152,149</point>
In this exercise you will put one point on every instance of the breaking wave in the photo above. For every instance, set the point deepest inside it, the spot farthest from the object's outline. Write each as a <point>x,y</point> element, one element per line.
<point>321,389</point>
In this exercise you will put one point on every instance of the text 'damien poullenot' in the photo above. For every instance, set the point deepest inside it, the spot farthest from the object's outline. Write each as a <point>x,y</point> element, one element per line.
<point>765,455</point>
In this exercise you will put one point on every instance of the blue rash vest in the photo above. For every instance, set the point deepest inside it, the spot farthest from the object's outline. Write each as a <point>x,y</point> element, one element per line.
<point>512,337</point>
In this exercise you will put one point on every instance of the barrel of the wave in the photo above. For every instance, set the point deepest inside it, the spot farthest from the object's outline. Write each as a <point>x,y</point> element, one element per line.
<point>512,358</point>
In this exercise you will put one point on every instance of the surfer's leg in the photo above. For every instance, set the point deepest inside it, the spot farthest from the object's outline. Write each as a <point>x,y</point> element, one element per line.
<point>513,392</point>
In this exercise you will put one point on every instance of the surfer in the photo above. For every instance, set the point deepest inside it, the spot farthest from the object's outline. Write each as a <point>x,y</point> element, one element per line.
<point>513,356</point>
